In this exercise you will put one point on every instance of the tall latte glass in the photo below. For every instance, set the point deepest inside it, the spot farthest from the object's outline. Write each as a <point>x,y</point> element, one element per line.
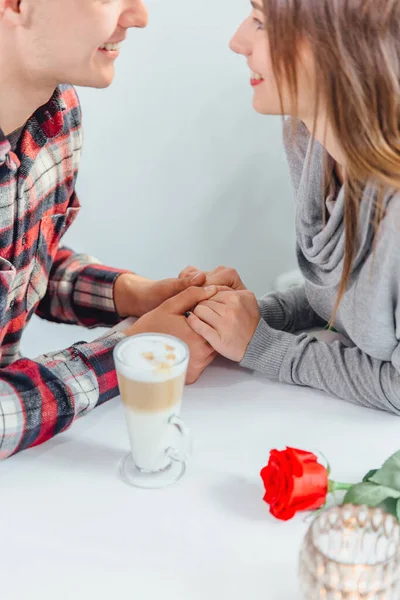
<point>151,370</point>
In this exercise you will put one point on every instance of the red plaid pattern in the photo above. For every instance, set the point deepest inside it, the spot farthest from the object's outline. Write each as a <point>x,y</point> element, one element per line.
<point>41,398</point>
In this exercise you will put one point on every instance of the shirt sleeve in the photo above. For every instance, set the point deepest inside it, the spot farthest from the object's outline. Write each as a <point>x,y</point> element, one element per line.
<point>289,311</point>
<point>80,291</point>
<point>41,398</point>
<point>347,373</point>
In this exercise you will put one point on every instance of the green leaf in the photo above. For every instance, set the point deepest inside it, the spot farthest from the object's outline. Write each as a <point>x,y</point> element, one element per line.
<point>370,474</point>
<point>390,506</point>
<point>389,474</point>
<point>369,494</point>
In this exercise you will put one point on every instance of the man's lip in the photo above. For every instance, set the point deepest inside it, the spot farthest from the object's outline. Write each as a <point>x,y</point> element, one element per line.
<point>120,41</point>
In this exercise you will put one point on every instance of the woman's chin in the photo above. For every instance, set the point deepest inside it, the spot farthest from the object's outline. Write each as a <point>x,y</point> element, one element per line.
<point>264,107</point>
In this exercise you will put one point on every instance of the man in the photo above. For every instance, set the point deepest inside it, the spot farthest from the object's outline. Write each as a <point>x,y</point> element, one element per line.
<point>44,44</point>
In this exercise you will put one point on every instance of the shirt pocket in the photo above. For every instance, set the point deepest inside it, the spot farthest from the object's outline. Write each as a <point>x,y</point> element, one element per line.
<point>51,230</point>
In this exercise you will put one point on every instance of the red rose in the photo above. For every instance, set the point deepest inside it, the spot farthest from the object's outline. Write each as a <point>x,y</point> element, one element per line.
<point>294,481</point>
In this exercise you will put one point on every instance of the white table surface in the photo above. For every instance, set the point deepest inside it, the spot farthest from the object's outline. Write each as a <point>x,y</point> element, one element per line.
<point>70,529</point>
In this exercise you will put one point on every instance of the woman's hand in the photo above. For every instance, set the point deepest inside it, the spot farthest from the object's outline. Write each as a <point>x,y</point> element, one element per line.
<point>169,318</point>
<point>227,321</point>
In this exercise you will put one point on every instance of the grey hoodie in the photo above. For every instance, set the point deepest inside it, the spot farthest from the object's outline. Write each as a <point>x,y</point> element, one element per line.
<point>366,371</point>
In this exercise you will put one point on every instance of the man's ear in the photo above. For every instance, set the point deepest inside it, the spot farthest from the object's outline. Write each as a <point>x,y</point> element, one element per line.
<point>10,12</point>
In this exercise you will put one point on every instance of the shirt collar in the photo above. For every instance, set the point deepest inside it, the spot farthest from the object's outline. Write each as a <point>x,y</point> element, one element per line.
<point>50,116</point>
<point>50,121</point>
<point>5,148</point>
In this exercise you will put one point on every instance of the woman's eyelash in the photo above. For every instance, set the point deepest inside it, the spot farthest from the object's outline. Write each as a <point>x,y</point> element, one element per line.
<point>259,24</point>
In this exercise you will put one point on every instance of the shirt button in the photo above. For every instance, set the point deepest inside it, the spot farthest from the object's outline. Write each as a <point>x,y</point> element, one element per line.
<point>12,303</point>
<point>24,240</point>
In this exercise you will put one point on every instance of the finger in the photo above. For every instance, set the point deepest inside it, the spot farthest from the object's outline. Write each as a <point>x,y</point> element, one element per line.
<point>189,298</point>
<point>222,288</point>
<point>227,277</point>
<point>194,277</point>
<point>217,307</point>
<point>199,278</point>
<point>196,341</point>
<point>195,371</point>
<point>189,271</point>
<point>167,288</point>
<point>207,315</point>
<point>207,348</point>
<point>206,361</point>
<point>186,271</point>
<point>223,296</point>
<point>208,333</point>
<point>211,357</point>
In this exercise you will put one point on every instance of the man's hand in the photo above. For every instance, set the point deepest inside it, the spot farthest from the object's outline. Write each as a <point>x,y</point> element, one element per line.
<point>220,276</point>
<point>227,321</point>
<point>169,318</point>
<point>135,296</point>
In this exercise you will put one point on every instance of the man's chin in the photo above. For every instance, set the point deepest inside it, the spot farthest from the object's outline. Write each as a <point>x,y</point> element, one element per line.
<point>101,83</point>
<point>100,80</point>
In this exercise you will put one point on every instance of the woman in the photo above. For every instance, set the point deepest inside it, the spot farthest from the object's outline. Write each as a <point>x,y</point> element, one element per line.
<point>334,69</point>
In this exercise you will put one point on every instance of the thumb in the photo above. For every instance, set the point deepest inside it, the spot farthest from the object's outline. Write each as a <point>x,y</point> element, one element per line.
<point>188,299</point>
<point>171,287</point>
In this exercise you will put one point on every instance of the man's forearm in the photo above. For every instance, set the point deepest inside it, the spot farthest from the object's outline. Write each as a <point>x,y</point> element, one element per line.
<point>41,398</point>
<point>128,296</point>
<point>80,291</point>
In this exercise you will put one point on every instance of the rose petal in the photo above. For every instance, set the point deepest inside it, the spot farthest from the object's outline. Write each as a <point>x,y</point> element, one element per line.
<point>296,462</point>
<point>286,477</point>
<point>281,512</point>
<point>304,455</point>
<point>294,481</point>
<point>309,503</point>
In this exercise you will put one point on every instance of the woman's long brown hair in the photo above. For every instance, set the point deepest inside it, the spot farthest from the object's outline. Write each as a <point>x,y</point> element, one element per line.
<point>355,45</point>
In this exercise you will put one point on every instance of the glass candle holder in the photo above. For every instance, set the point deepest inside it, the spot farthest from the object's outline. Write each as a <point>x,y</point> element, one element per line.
<point>351,553</point>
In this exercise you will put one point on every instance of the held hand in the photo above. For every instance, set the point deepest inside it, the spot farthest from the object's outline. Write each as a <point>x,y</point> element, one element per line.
<point>220,276</point>
<point>227,321</point>
<point>135,296</point>
<point>169,318</point>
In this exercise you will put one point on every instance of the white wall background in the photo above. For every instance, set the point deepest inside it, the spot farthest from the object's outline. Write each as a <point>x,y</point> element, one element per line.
<point>177,167</point>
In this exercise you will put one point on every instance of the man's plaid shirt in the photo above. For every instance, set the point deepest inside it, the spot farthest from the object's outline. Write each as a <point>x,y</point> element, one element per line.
<point>42,397</point>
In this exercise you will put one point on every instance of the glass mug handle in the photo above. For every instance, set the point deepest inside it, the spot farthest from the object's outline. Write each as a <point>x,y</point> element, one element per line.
<point>180,455</point>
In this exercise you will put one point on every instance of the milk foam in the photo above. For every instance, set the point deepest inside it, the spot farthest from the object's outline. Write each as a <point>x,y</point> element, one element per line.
<point>151,357</point>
